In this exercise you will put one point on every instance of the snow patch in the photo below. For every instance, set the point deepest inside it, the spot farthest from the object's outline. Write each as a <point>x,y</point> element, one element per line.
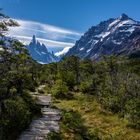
<point>63,52</point>
<point>88,50</point>
<point>131,30</point>
<point>43,52</point>
<point>1,49</point>
<point>103,34</point>
<point>127,22</point>
<point>95,42</point>
<point>81,49</point>
<point>116,42</point>
<point>41,62</point>
<point>113,23</point>
<point>38,52</point>
<point>95,55</point>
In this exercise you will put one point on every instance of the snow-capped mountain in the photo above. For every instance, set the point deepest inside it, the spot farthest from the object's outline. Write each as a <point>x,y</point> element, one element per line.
<point>113,36</point>
<point>40,53</point>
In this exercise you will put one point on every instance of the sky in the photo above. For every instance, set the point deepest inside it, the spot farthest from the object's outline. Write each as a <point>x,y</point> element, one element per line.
<point>60,23</point>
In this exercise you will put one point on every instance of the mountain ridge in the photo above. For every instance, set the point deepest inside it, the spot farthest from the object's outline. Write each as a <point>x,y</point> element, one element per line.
<point>112,36</point>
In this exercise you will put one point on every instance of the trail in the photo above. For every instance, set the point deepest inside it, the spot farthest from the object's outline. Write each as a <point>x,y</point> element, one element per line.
<point>39,128</point>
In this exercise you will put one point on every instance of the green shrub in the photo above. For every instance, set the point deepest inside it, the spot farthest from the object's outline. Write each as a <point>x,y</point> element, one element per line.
<point>133,112</point>
<point>15,116</point>
<point>60,90</point>
<point>112,103</point>
<point>86,87</point>
<point>54,136</point>
<point>73,123</point>
<point>31,103</point>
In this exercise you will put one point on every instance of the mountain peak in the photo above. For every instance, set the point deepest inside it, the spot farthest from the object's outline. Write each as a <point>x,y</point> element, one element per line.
<point>34,39</point>
<point>107,38</point>
<point>124,16</point>
<point>40,53</point>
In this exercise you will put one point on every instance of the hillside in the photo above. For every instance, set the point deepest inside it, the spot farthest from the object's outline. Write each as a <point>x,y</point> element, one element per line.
<point>114,36</point>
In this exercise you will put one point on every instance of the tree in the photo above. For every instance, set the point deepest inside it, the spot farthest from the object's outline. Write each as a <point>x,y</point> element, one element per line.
<point>69,68</point>
<point>16,69</point>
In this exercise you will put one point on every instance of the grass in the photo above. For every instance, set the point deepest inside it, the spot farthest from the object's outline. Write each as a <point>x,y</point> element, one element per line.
<point>107,125</point>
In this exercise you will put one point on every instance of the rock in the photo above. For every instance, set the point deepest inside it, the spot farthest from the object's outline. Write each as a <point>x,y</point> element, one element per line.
<point>40,53</point>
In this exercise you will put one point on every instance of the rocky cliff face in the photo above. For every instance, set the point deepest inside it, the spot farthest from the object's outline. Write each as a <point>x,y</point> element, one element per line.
<point>40,53</point>
<point>114,36</point>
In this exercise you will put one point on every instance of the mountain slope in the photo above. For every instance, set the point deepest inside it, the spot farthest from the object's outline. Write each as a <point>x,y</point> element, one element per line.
<point>114,36</point>
<point>40,53</point>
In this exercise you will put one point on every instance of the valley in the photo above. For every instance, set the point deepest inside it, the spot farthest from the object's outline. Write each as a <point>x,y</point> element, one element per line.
<point>89,90</point>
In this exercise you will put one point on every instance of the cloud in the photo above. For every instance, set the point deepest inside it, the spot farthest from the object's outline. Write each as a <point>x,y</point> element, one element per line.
<point>49,43</point>
<point>50,35</point>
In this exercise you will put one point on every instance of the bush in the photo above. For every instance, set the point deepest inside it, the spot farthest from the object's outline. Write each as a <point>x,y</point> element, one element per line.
<point>112,103</point>
<point>15,116</point>
<point>60,90</point>
<point>86,87</point>
<point>31,103</point>
<point>133,112</point>
<point>73,123</point>
<point>54,136</point>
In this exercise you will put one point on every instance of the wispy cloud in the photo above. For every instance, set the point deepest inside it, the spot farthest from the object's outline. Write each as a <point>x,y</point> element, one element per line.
<point>50,43</point>
<point>50,35</point>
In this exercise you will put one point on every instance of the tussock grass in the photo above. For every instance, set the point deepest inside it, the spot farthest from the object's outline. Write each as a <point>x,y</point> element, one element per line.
<point>107,125</point>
